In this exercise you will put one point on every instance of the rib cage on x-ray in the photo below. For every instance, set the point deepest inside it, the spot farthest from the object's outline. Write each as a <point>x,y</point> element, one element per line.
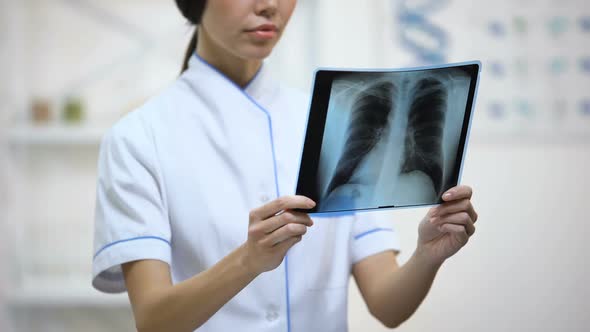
<point>403,115</point>
<point>423,142</point>
<point>370,113</point>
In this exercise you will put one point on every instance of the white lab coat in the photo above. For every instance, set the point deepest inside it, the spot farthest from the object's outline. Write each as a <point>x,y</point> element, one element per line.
<point>178,176</point>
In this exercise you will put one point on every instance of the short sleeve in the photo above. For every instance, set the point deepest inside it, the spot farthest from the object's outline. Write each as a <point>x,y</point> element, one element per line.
<point>372,233</point>
<point>131,221</point>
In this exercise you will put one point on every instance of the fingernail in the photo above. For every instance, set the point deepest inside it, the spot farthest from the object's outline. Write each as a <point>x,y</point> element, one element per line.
<point>447,195</point>
<point>433,220</point>
<point>311,204</point>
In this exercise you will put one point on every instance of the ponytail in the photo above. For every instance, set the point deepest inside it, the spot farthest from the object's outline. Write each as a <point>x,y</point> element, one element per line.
<point>192,10</point>
<point>190,50</point>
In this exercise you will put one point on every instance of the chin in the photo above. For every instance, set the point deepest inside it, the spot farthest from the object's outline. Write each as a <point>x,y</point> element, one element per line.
<point>258,52</point>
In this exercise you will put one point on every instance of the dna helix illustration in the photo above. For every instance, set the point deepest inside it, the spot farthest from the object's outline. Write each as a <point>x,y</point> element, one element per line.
<point>427,42</point>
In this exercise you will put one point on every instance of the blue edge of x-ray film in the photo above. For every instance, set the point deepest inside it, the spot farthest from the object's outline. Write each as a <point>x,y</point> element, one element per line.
<point>439,66</point>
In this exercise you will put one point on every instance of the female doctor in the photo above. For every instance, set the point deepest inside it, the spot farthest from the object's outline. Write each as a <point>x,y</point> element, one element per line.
<point>194,211</point>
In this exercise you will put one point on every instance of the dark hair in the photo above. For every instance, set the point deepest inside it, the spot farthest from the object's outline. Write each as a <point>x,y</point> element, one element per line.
<point>192,10</point>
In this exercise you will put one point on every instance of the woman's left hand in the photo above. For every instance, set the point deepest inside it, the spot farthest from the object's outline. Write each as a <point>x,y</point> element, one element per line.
<point>446,228</point>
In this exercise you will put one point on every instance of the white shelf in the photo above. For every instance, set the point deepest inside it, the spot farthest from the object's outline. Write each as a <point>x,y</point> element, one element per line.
<point>64,292</point>
<point>65,296</point>
<point>55,135</point>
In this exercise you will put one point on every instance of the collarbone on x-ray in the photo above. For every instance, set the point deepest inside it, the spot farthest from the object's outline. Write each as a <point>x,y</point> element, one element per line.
<point>391,137</point>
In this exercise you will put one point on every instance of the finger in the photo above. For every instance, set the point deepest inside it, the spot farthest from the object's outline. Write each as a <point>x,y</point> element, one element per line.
<point>273,223</point>
<point>280,204</point>
<point>461,218</point>
<point>457,192</point>
<point>457,230</point>
<point>469,228</point>
<point>283,233</point>
<point>454,207</point>
<point>261,228</point>
<point>287,244</point>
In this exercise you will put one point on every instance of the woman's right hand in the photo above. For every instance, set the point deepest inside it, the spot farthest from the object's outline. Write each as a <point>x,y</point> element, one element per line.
<point>160,305</point>
<point>273,229</point>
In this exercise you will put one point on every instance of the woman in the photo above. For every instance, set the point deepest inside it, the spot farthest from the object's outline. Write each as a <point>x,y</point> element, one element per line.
<point>184,220</point>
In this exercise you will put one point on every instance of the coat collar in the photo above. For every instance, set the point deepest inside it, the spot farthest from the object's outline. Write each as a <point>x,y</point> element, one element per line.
<point>259,90</point>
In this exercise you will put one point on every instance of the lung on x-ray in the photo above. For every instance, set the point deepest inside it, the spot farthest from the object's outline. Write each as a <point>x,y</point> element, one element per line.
<point>386,139</point>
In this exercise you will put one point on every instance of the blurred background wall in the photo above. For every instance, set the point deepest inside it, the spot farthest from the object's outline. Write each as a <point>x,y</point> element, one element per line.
<point>72,67</point>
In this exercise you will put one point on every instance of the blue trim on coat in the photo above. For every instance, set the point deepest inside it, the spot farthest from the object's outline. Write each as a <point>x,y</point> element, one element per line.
<point>380,229</point>
<point>127,240</point>
<point>274,159</point>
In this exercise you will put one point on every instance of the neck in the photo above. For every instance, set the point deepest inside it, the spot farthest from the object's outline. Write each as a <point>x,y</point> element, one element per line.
<point>240,71</point>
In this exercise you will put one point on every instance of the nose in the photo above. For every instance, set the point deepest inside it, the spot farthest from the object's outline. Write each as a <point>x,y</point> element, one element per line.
<point>266,8</point>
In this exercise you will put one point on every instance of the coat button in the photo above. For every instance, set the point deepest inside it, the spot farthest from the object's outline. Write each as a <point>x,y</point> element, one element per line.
<point>272,316</point>
<point>272,312</point>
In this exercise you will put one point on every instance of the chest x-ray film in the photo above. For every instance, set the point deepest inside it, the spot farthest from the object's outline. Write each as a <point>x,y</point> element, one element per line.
<point>386,138</point>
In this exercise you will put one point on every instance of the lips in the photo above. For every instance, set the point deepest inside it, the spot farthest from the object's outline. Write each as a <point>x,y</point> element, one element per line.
<point>265,27</point>
<point>264,31</point>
